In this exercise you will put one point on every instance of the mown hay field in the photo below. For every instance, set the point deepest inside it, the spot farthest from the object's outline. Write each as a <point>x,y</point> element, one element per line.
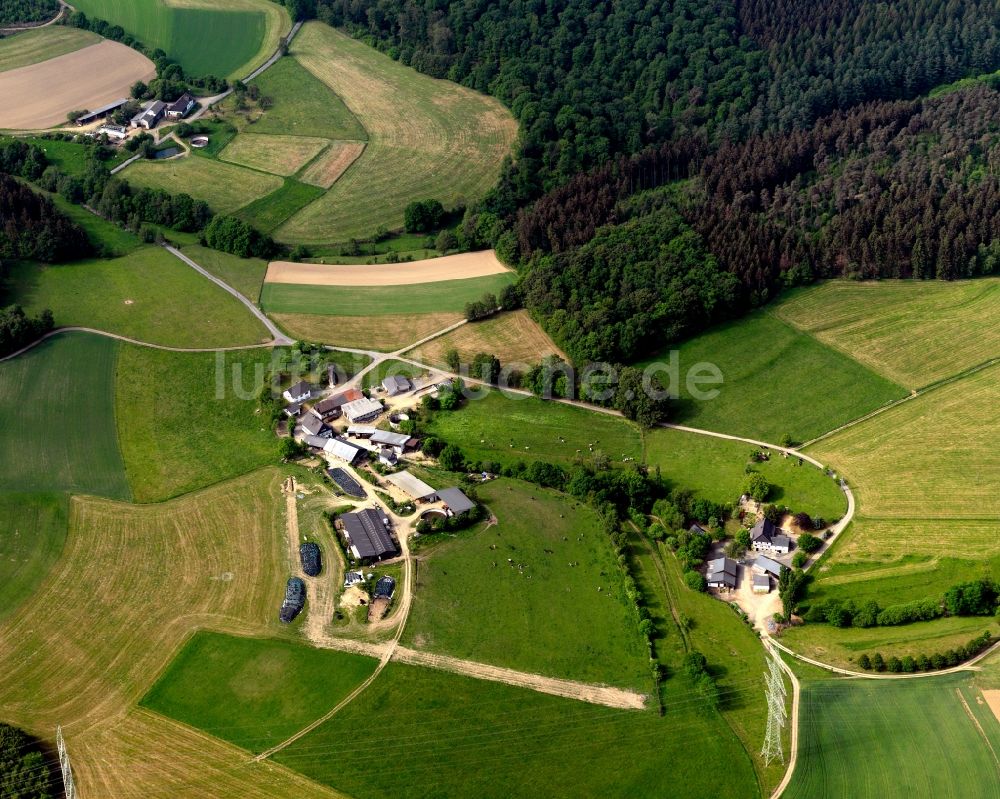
<point>57,418</point>
<point>132,584</point>
<point>226,38</point>
<point>426,138</point>
<point>388,333</point>
<point>514,337</point>
<point>327,169</point>
<point>34,46</point>
<point>912,332</point>
<point>279,155</point>
<point>147,295</point>
<point>895,738</point>
<point>225,187</point>
<point>777,381</point>
<point>563,569</point>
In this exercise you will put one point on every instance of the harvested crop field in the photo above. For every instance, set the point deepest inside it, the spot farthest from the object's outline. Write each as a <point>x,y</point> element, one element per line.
<point>280,155</point>
<point>513,337</point>
<point>325,170</point>
<point>432,270</point>
<point>388,333</point>
<point>40,95</point>
<point>41,44</point>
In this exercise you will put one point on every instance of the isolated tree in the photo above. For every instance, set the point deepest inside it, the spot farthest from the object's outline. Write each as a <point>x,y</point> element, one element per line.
<point>757,487</point>
<point>452,459</point>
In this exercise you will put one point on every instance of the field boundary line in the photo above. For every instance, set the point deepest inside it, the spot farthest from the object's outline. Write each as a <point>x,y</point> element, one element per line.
<point>979,727</point>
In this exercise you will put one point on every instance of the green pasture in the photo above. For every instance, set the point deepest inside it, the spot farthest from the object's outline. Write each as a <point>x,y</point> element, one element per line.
<point>107,239</point>
<point>189,420</point>
<point>34,46</point>
<point>253,692</point>
<point>269,211</point>
<point>148,295</point>
<point>440,296</point>
<point>33,530</point>
<point>777,381</point>
<point>539,591</point>
<point>246,275</point>
<point>57,418</point>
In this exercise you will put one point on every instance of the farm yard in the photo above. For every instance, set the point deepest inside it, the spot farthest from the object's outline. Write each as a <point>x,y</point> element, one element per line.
<point>35,46</point>
<point>870,738</point>
<point>225,38</point>
<point>82,78</point>
<point>426,138</point>
<point>912,332</point>
<point>546,557</point>
<point>148,295</point>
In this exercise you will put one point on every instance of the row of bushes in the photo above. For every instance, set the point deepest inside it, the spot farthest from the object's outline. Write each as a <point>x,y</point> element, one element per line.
<point>935,662</point>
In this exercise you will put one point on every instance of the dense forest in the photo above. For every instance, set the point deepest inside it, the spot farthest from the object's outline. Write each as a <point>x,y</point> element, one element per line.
<point>32,228</point>
<point>15,12</point>
<point>24,772</point>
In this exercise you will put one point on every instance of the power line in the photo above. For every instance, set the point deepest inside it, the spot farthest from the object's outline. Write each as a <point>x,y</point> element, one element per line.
<point>775,696</point>
<point>64,765</point>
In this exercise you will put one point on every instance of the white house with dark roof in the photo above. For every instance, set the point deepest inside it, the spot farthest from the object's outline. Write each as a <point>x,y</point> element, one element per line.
<point>180,107</point>
<point>300,392</point>
<point>722,573</point>
<point>766,537</point>
<point>312,426</point>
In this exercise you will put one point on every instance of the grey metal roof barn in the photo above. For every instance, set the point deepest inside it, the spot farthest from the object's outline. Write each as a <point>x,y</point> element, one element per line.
<point>722,572</point>
<point>412,486</point>
<point>764,565</point>
<point>368,534</point>
<point>396,384</point>
<point>456,500</point>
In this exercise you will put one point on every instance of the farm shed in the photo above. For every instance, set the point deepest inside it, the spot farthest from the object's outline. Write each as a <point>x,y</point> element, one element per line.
<point>412,486</point>
<point>362,430</point>
<point>697,529</point>
<point>295,599</point>
<point>311,561</point>
<point>314,427</point>
<point>341,449</point>
<point>114,132</point>
<point>761,584</point>
<point>300,392</point>
<point>398,441</point>
<point>362,410</point>
<point>367,534</point>
<point>317,442</point>
<point>396,384</point>
<point>151,113</point>
<point>329,408</point>
<point>764,565</point>
<point>766,537</point>
<point>385,588</point>
<point>347,484</point>
<point>722,573</point>
<point>387,456</point>
<point>100,113</point>
<point>456,501</point>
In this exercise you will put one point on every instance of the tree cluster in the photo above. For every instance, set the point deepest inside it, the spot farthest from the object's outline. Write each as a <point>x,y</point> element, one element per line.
<point>233,235</point>
<point>923,662</point>
<point>17,329</point>
<point>25,772</point>
<point>423,216</point>
<point>17,12</point>
<point>32,228</point>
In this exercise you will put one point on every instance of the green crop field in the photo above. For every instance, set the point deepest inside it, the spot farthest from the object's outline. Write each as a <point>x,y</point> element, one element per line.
<point>507,430</point>
<point>32,534</point>
<point>33,47</point>
<point>254,692</point>
<point>895,738</point>
<point>439,297</point>
<point>302,105</point>
<point>226,38</point>
<point>445,735</point>
<point>148,295</point>
<point>777,381</point>
<point>246,275</point>
<point>715,469</point>
<point>558,608</point>
<point>913,332</point>
<point>426,138</point>
<point>225,187</point>
<point>57,423</point>
<point>271,210</point>
<point>182,423</point>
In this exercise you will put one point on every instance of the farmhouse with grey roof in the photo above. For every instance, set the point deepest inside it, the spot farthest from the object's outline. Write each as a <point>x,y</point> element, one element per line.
<point>766,537</point>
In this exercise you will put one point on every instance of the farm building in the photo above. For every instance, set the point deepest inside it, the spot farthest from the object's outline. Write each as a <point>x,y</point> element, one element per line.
<point>396,384</point>
<point>300,392</point>
<point>152,112</point>
<point>316,442</point>
<point>341,449</point>
<point>362,430</point>
<point>116,132</point>
<point>180,107</point>
<point>347,484</point>
<point>362,410</point>
<point>385,588</point>
<point>311,562</point>
<point>456,501</point>
<point>314,427</point>
<point>722,573</point>
<point>293,410</point>
<point>329,408</point>
<point>102,112</point>
<point>367,534</point>
<point>766,537</point>
<point>398,441</point>
<point>353,578</point>
<point>412,486</point>
<point>295,599</point>
<point>761,584</point>
<point>697,529</point>
<point>767,566</point>
<point>387,456</point>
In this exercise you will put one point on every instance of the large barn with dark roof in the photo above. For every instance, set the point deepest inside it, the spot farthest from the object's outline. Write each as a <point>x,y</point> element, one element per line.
<point>368,536</point>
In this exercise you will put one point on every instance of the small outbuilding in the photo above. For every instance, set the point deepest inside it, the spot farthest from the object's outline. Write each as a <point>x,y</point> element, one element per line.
<point>761,584</point>
<point>456,501</point>
<point>396,384</point>
<point>387,456</point>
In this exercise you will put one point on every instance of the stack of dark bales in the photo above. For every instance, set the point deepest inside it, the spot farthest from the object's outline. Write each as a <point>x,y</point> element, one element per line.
<point>385,587</point>
<point>311,563</point>
<point>295,599</point>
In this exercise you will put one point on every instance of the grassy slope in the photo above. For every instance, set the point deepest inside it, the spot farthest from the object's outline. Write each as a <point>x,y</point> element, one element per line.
<point>269,211</point>
<point>715,468</point>
<point>226,38</point>
<point>32,47</point>
<point>176,433</point>
<point>57,424</point>
<point>387,334</point>
<point>276,153</point>
<point>913,332</point>
<point>244,274</point>
<point>444,735</point>
<point>549,617</point>
<point>253,692</point>
<point>777,381</point>
<point>32,534</point>
<point>171,304</point>
<point>438,297</point>
<point>426,138</point>
<point>901,738</point>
